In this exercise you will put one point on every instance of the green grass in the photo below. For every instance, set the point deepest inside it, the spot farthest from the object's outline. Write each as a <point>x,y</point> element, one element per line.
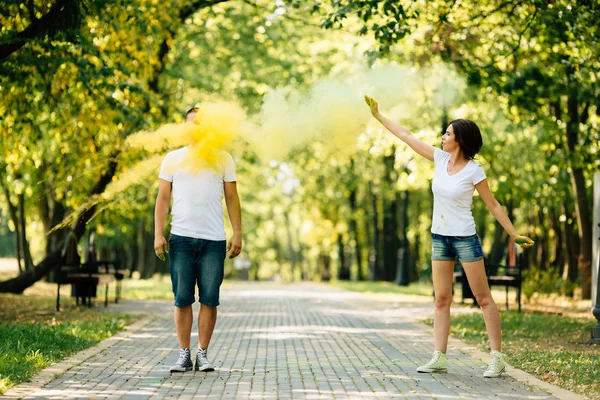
<point>552,347</point>
<point>33,335</point>
<point>156,288</point>
<point>417,289</point>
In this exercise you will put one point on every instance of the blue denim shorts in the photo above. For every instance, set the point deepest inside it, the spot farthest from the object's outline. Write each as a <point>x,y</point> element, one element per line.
<point>449,248</point>
<point>196,262</point>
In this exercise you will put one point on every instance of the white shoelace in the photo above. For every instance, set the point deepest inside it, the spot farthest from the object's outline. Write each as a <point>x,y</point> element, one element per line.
<point>494,364</point>
<point>183,355</point>
<point>434,360</point>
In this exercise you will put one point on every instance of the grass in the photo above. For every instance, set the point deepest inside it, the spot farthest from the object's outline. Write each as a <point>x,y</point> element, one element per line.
<point>156,288</point>
<point>553,348</point>
<point>33,335</point>
<point>415,289</point>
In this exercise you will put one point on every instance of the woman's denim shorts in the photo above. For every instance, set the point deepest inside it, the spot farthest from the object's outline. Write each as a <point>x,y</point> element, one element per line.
<point>449,248</point>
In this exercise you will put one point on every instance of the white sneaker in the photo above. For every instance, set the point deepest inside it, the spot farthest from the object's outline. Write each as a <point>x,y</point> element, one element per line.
<point>436,364</point>
<point>202,363</point>
<point>184,362</point>
<point>497,366</point>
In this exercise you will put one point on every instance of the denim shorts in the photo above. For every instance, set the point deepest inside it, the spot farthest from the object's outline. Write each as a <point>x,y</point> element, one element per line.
<point>449,248</point>
<point>196,262</point>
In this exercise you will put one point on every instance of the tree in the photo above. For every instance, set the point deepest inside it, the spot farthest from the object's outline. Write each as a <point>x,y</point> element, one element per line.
<point>57,86</point>
<point>542,56</point>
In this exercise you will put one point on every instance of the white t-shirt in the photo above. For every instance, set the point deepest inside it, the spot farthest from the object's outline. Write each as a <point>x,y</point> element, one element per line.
<point>197,196</point>
<point>453,195</point>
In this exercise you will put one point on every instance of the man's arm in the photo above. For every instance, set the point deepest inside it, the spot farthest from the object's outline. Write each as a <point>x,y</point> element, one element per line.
<point>234,210</point>
<point>161,210</point>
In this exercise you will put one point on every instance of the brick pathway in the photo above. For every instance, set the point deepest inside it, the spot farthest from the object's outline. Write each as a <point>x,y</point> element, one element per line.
<point>299,341</point>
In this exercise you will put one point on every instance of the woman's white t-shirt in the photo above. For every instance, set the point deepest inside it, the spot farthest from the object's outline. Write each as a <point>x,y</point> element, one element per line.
<point>197,196</point>
<point>453,195</point>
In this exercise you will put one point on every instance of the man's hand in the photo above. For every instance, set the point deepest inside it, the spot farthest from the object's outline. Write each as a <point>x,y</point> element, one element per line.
<point>234,247</point>
<point>523,241</point>
<point>372,105</point>
<point>160,247</point>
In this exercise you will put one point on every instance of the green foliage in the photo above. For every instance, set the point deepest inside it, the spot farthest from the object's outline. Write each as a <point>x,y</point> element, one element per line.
<point>70,102</point>
<point>545,282</point>
<point>552,347</point>
<point>389,20</point>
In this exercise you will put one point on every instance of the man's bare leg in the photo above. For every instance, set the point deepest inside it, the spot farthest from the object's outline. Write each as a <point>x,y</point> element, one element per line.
<point>207,317</point>
<point>183,325</point>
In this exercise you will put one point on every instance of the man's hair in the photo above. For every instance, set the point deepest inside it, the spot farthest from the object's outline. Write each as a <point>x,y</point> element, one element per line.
<point>191,110</point>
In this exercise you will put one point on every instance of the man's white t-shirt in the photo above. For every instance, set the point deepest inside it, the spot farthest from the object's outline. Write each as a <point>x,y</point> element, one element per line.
<point>453,195</point>
<point>197,196</point>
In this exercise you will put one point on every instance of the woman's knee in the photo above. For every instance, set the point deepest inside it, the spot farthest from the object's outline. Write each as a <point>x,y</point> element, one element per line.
<point>443,301</point>
<point>484,300</point>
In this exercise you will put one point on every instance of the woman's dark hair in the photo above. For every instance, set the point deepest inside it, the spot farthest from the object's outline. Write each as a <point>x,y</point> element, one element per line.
<point>468,137</point>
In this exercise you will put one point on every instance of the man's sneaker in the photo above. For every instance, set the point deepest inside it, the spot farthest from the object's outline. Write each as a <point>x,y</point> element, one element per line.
<point>436,364</point>
<point>202,363</point>
<point>184,362</point>
<point>497,366</point>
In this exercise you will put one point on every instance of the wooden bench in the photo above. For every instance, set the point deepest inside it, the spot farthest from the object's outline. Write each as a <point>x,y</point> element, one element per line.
<point>507,275</point>
<point>85,278</point>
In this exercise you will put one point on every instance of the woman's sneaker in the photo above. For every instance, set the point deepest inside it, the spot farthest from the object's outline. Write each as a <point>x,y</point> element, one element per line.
<point>184,362</point>
<point>497,366</point>
<point>436,364</point>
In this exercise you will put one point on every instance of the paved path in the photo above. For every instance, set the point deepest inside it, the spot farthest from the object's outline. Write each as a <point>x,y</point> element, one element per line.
<point>273,341</point>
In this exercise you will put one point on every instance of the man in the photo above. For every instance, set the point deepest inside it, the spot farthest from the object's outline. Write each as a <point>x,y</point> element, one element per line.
<point>197,246</point>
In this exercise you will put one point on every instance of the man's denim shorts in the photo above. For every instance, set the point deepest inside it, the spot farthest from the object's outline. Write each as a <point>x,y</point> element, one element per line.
<point>449,248</point>
<point>196,262</point>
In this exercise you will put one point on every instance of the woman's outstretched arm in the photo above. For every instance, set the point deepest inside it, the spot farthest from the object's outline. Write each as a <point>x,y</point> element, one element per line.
<point>420,147</point>
<point>498,212</point>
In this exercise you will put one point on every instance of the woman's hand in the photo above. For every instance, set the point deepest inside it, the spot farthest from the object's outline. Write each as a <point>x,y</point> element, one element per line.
<point>523,241</point>
<point>372,105</point>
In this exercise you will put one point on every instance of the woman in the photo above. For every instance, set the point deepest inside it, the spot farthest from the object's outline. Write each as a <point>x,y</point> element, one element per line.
<point>453,230</point>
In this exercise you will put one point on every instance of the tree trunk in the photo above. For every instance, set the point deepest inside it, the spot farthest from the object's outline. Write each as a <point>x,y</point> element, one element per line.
<point>375,270</point>
<point>14,216</point>
<point>542,245</point>
<point>152,265</point>
<point>28,262</point>
<point>52,212</point>
<point>343,272</point>
<point>403,274</point>
<point>324,266</point>
<point>584,219</point>
<point>570,247</point>
<point>558,259</point>
<point>301,259</point>
<point>291,250</point>
<point>140,239</point>
<point>390,220</point>
<point>354,234</point>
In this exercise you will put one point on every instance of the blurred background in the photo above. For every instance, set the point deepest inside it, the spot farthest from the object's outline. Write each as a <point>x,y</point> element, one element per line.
<point>78,77</point>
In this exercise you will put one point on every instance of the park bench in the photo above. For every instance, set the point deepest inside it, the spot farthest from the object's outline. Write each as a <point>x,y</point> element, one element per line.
<point>507,275</point>
<point>85,278</point>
